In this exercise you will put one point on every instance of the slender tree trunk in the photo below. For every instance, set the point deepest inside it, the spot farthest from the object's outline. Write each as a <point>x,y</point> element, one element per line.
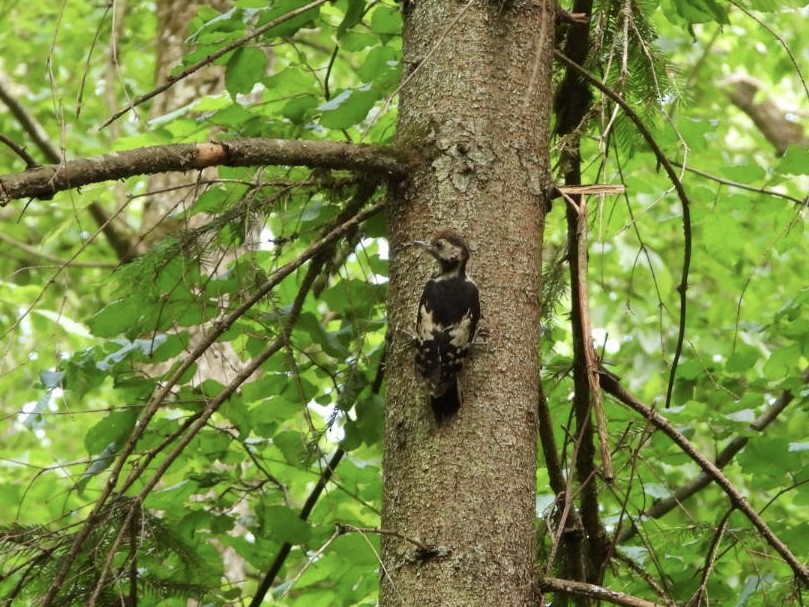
<point>476,99</point>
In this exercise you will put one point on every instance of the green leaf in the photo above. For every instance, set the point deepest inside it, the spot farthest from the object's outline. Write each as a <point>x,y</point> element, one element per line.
<point>246,66</point>
<point>348,107</point>
<point>293,446</point>
<point>290,26</point>
<point>353,16</point>
<point>299,109</point>
<point>768,457</point>
<point>794,162</point>
<point>356,41</point>
<point>783,361</point>
<point>116,318</point>
<point>742,359</point>
<point>381,61</point>
<point>114,429</point>
<point>285,525</point>
<point>745,173</point>
<point>701,11</point>
<point>386,20</point>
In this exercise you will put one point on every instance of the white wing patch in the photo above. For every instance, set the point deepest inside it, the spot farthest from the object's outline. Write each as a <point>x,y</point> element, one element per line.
<point>459,335</point>
<point>426,326</point>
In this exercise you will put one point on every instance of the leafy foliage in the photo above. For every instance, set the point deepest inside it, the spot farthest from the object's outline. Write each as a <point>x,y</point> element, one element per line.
<point>223,465</point>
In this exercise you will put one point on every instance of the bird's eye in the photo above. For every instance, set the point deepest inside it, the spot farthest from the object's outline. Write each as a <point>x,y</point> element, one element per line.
<point>439,244</point>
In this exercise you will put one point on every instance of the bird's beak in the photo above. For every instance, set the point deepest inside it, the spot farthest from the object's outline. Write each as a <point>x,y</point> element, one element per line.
<point>422,244</point>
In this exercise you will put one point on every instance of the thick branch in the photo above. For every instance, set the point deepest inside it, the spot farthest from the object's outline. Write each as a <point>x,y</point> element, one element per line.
<point>611,385</point>
<point>44,181</point>
<point>771,120</point>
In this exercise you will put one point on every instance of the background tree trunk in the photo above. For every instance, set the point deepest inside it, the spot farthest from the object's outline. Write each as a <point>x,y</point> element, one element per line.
<point>476,98</point>
<point>175,192</point>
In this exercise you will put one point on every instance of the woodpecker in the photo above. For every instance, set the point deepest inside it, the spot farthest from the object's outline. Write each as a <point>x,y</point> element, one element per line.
<point>447,319</point>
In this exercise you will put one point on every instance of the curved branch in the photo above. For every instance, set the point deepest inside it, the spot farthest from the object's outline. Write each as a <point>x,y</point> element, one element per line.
<point>611,385</point>
<point>29,124</point>
<point>678,187</point>
<point>743,186</point>
<point>44,181</point>
<point>19,150</point>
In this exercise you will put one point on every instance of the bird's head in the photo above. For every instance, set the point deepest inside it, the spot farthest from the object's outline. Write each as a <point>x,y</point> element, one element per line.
<point>449,250</point>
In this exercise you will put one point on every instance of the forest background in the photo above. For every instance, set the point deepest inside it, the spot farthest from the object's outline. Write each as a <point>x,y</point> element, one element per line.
<point>194,329</point>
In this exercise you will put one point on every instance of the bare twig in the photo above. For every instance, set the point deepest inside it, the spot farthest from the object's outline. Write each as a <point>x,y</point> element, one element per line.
<point>19,150</point>
<point>211,58</point>
<point>741,186</point>
<point>700,594</point>
<point>423,548</point>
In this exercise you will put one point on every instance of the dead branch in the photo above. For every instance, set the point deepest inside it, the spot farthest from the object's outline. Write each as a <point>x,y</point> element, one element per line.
<point>772,120</point>
<point>593,591</point>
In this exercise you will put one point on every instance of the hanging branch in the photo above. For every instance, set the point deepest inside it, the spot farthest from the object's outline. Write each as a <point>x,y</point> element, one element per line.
<point>44,181</point>
<point>571,103</point>
<point>678,187</point>
<point>613,387</point>
<point>584,353</point>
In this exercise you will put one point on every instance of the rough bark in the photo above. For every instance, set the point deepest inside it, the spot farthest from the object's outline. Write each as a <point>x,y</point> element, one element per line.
<point>476,97</point>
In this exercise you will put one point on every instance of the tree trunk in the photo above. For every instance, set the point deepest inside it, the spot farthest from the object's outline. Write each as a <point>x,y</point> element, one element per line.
<point>476,98</point>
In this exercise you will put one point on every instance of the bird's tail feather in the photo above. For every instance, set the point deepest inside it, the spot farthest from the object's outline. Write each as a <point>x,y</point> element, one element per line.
<point>446,405</point>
